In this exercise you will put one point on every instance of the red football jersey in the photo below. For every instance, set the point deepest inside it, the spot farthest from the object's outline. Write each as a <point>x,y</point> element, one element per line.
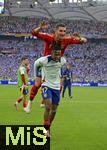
<point>49,38</point>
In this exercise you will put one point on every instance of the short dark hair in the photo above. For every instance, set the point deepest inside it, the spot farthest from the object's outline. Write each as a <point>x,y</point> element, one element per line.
<point>24,58</point>
<point>60,25</point>
<point>56,46</point>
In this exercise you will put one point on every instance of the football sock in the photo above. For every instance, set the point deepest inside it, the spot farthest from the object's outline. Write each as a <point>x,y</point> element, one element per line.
<point>19,100</point>
<point>29,104</point>
<point>47,124</point>
<point>24,104</point>
<point>33,92</point>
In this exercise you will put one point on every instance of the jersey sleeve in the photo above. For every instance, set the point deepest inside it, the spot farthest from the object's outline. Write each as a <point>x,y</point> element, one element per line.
<point>72,40</point>
<point>22,73</point>
<point>63,61</point>
<point>39,63</point>
<point>22,70</point>
<point>43,36</point>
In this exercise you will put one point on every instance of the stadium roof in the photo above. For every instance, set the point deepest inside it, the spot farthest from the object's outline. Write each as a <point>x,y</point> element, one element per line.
<point>61,9</point>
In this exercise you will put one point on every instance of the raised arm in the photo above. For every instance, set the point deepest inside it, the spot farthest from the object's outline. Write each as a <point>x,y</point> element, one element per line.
<point>75,39</point>
<point>78,36</point>
<point>43,36</point>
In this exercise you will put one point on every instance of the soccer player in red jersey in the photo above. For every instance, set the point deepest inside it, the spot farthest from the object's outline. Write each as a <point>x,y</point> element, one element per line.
<point>58,36</point>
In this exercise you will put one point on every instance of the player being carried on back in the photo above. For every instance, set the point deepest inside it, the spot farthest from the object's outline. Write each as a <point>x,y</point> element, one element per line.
<point>23,81</point>
<point>59,37</point>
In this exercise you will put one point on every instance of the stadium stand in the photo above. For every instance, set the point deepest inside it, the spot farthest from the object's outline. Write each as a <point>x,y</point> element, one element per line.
<point>88,61</point>
<point>87,18</point>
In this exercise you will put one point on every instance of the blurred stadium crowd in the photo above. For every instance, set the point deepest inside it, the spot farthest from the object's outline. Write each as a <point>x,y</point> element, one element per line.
<point>25,24</point>
<point>89,61</point>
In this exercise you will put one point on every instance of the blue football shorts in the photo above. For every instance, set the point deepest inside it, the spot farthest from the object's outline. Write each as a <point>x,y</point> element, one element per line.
<point>49,93</point>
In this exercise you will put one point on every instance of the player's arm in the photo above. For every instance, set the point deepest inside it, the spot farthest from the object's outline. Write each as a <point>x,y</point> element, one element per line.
<point>39,63</point>
<point>43,36</point>
<point>64,75</point>
<point>23,77</point>
<point>78,36</point>
<point>63,61</point>
<point>75,39</point>
<point>28,68</point>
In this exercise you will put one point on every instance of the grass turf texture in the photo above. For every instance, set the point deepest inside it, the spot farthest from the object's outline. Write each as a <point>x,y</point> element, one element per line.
<point>80,123</point>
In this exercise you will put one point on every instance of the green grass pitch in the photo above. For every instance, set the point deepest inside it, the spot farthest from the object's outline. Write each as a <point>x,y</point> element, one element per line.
<point>80,123</point>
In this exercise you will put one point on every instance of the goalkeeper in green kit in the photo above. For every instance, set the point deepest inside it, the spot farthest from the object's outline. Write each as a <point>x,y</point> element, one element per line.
<point>23,81</point>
